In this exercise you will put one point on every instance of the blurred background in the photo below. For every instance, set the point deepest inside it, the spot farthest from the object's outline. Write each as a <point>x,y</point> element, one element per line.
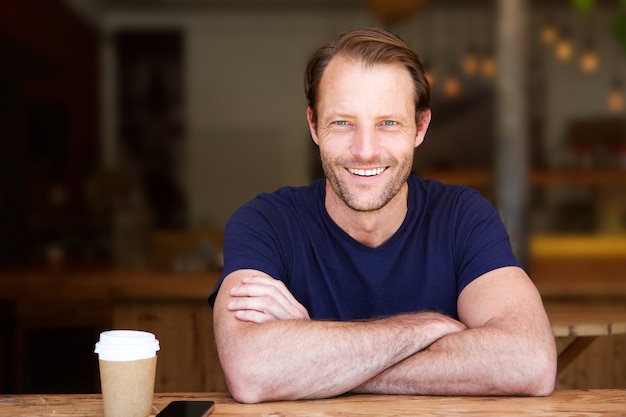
<point>131,129</point>
<point>125,118</point>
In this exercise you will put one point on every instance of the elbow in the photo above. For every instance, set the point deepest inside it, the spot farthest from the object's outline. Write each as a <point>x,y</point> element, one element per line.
<point>248,386</point>
<point>545,380</point>
<point>244,387</point>
<point>253,393</point>
<point>541,377</point>
<point>542,386</point>
<point>244,394</point>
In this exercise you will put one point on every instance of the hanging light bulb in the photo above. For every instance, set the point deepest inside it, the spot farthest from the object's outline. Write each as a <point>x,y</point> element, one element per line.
<point>564,48</point>
<point>430,75</point>
<point>488,66</point>
<point>452,87</point>
<point>616,101</point>
<point>470,62</point>
<point>548,32</point>
<point>589,61</point>
<point>393,11</point>
<point>616,97</point>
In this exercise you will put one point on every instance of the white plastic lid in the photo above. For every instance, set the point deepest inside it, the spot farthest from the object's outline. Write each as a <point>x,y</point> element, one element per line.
<point>126,345</point>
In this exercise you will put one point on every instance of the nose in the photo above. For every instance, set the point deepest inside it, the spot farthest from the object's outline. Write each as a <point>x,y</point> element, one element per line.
<point>365,145</point>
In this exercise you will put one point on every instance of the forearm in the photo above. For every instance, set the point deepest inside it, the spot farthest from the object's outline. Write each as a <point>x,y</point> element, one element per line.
<point>313,359</point>
<point>509,347</point>
<point>481,361</point>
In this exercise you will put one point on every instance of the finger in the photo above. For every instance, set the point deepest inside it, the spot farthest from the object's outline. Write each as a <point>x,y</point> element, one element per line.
<point>267,281</point>
<point>270,298</point>
<point>281,288</point>
<point>254,316</point>
<point>266,305</point>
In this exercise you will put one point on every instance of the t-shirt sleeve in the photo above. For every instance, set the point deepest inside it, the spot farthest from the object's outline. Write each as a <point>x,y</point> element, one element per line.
<point>481,240</point>
<point>252,240</point>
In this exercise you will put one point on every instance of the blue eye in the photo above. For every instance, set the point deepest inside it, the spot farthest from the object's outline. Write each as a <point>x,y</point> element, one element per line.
<point>389,123</point>
<point>341,122</point>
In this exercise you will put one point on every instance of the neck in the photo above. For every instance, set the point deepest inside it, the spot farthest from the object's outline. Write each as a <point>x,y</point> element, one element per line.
<point>371,228</point>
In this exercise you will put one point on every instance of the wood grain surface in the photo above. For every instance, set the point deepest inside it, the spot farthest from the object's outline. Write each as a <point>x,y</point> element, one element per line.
<point>561,403</point>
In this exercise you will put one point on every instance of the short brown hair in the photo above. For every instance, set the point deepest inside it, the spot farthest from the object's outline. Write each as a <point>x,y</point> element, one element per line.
<point>372,46</point>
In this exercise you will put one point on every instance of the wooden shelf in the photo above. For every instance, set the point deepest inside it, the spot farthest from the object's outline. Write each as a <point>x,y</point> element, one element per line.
<point>581,177</point>
<point>579,266</point>
<point>471,178</point>
<point>578,246</point>
<point>107,285</point>
<point>484,178</point>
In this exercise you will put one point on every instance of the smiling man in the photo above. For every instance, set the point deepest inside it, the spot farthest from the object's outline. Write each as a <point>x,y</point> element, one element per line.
<point>375,280</point>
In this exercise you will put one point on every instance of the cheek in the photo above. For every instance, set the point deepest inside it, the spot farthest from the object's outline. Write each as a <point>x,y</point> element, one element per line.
<point>325,150</point>
<point>331,141</point>
<point>331,152</point>
<point>399,142</point>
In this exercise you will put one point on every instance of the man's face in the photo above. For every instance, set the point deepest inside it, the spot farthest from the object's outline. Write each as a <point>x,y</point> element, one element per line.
<point>366,131</point>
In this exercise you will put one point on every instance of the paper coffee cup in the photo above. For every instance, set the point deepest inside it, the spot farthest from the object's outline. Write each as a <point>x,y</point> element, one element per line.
<point>127,360</point>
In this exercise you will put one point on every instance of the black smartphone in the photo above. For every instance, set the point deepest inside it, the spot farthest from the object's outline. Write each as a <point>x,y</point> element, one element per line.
<point>187,408</point>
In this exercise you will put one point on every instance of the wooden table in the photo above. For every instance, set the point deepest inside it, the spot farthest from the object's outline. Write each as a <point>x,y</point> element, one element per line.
<point>174,307</point>
<point>583,323</point>
<point>561,403</point>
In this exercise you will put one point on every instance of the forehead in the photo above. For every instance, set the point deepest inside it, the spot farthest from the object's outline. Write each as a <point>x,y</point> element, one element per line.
<point>354,82</point>
<point>342,66</point>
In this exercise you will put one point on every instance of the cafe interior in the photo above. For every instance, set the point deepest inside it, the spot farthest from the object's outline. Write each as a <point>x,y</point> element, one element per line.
<point>131,129</point>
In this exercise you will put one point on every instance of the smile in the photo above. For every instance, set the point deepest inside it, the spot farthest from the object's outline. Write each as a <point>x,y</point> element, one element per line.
<point>366,172</point>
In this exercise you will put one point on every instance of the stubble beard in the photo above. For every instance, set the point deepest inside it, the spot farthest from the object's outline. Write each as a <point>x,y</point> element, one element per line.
<point>353,198</point>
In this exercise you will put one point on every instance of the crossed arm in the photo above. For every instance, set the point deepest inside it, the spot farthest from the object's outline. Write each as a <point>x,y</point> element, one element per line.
<point>271,350</point>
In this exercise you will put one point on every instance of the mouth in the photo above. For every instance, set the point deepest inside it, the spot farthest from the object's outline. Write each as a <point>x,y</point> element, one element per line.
<point>367,172</point>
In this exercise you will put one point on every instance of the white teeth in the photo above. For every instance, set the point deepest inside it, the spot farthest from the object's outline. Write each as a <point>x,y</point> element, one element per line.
<point>366,172</point>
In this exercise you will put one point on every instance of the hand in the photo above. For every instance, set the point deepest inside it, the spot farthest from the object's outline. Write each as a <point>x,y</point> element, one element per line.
<point>261,299</point>
<point>442,325</point>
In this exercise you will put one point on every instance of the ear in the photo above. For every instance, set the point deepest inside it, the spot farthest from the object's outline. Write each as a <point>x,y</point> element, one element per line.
<point>312,126</point>
<point>422,126</point>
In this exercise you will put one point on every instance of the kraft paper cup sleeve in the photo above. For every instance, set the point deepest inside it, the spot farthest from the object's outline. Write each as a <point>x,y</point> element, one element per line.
<point>128,387</point>
<point>127,360</point>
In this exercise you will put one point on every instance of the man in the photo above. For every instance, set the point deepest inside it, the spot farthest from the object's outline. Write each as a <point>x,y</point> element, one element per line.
<point>375,280</point>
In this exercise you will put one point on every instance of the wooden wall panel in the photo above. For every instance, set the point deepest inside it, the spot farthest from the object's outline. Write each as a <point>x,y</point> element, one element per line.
<point>187,360</point>
<point>601,365</point>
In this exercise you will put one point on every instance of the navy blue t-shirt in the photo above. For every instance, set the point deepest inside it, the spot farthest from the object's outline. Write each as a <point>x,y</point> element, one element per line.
<point>450,236</point>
